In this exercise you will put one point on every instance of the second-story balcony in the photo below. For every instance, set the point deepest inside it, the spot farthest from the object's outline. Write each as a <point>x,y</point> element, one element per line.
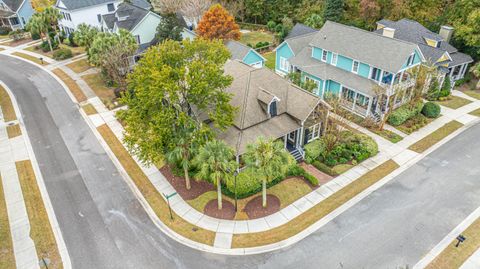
<point>399,86</point>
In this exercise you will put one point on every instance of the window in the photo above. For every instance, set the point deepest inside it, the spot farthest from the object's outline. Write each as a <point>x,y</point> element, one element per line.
<point>137,37</point>
<point>272,108</point>
<point>334,58</point>
<point>99,17</point>
<point>110,7</point>
<point>14,21</point>
<point>411,59</point>
<point>68,17</point>
<point>355,67</point>
<point>284,64</point>
<point>324,55</point>
<point>313,132</point>
<point>375,73</point>
<point>23,21</point>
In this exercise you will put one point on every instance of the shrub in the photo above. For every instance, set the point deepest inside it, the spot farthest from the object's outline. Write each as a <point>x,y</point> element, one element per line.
<point>35,36</point>
<point>71,40</point>
<point>431,110</point>
<point>46,48</point>
<point>62,54</point>
<point>403,113</point>
<point>4,30</point>
<point>271,26</point>
<point>248,183</point>
<point>297,170</point>
<point>324,168</point>
<point>313,150</point>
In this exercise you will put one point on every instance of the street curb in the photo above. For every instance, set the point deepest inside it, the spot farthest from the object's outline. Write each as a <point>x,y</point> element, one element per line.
<point>261,249</point>
<point>62,248</point>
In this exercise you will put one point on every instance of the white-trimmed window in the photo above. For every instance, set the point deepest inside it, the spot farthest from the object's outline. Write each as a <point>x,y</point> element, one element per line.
<point>308,79</point>
<point>324,55</point>
<point>313,132</point>
<point>334,58</point>
<point>284,64</point>
<point>355,66</point>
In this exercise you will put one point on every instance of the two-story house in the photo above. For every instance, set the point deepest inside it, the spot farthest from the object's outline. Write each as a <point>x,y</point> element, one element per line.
<point>352,64</point>
<point>435,47</point>
<point>15,14</point>
<point>76,12</point>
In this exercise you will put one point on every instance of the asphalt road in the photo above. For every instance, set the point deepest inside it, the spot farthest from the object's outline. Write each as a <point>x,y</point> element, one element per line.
<point>104,226</point>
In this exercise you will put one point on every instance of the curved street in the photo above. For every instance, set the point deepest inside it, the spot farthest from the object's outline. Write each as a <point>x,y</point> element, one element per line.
<point>104,226</point>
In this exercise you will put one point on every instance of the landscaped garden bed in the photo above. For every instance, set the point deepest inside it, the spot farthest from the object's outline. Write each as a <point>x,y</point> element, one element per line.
<point>411,117</point>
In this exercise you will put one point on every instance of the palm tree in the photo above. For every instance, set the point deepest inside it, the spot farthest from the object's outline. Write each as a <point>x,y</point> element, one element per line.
<point>216,163</point>
<point>270,160</point>
<point>52,16</point>
<point>182,152</point>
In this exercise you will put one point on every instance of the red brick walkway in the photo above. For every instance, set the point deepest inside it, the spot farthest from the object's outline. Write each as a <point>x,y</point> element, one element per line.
<point>322,177</point>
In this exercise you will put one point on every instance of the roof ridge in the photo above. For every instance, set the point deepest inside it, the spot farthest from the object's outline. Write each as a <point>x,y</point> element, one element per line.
<point>303,35</point>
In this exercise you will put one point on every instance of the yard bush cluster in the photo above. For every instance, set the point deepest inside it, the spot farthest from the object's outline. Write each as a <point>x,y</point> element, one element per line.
<point>352,148</point>
<point>405,112</point>
<point>435,93</point>
<point>431,110</point>
<point>414,123</point>
<point>62,54</point>
<point>45,47</point>
<point>4,30</point>
<point>248,182</point>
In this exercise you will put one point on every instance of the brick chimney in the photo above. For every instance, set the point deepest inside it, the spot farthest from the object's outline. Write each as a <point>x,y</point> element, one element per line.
<point>446,33</point>
<point>388,32</point>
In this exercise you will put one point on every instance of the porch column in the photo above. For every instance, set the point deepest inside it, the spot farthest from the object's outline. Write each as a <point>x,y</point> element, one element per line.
<point>465,67</point>
<point>323,88</point>
<point>285,141</point>
<point>300,143</point>
<point>354,100</point>
<point>369,107</point>
<point>401,77</point>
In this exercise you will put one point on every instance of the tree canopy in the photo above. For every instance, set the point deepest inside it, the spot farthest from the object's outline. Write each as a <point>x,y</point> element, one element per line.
<point>217,23</point>
<point>169,28</point>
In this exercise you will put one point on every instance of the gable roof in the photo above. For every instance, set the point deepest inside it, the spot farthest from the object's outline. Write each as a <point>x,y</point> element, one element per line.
<point>297,43</point>
<point>387,53</point>
<point>132,14</point>
<point>76,4</point>
<point>251,89</point>
<point>13,5</point>
<point>300,29</point>
<point>412,31</point>
<point>239,50</point>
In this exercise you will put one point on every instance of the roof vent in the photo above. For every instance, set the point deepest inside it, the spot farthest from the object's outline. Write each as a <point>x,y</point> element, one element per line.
<point>446,33</point>
<point>388,32</point>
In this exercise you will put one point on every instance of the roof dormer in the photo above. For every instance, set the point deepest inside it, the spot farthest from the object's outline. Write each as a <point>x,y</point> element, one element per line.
<point>432,42</point>
<point>269,102</point>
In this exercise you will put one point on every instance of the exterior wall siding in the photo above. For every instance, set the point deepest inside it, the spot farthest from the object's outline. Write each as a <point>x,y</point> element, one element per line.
<point>320,82</point>
<point>329,57</point>
<point>252,57</point>
<point>317,53</point>
<point>25,12</point>
<point>415,61</point>
<point>86,15</point>
<point>364,70</point>
<point>147,28</point>
<point>282,51</point>
<point>344,63</point>
<point>333,87</point>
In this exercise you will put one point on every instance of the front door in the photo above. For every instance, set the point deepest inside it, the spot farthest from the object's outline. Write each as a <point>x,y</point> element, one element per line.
<point>292,140</point>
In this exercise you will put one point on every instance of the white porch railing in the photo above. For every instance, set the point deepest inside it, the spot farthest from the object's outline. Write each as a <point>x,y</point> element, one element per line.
<point>391,89</point>
<point>354,107</point>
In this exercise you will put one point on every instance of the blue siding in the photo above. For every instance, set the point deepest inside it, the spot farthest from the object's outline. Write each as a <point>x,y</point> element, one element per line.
<point>329,57</point>
<point>282,51</point>
<point>333,87</point>
<point>364,70</point>
<point>317,53</point>
<point>25,12</point>
<point>344,63</point>
<point>415,61</point>
<point>252,57</point>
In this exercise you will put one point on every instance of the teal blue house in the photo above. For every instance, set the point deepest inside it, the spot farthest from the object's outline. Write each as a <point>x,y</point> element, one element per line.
<point>245,54</point>
<point>352,64</point>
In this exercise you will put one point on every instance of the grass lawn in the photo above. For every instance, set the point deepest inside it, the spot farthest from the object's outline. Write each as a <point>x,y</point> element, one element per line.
<point>30,58</point>
<point>387,134</point>
<point>79,66</point>
<point>341,168</point>
<point>6,106</point>
<point>254,37</point>
<point>287,191</point>
<point>270,57</point>
<point>435,137</point>
<point>152,196</point>
<point>71,84</point>
<point>89,109</point>
<point>7,258</point>
<point>319,211</point>
<point>473,93</point>
<point>453,257</point>
<point>13,131</point>
<point>75,50</point>
<point>40,230</point>
<point>454,102</point>
<point>476,112</point>
<point>105,93</point>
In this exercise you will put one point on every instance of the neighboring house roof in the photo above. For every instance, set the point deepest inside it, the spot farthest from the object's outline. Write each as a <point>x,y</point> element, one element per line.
<point>6,13</point>
<point>76,4</point>
<point>300,29</point>
<point>141,3</point>
<point>415,32</point>
<point>324,71</point>
<point>238,50</point>
<point>298,43</point>
<point>13,5</point>
<point>251,88</point>
<point>127,16</point>
<point>387,53</point>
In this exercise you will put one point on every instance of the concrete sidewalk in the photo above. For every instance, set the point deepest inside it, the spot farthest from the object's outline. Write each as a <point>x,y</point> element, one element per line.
<point>473,262</point>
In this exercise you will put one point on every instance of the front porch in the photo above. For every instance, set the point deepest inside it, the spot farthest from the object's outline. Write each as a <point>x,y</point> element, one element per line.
<point>457,72</point>
<point>12,22</point>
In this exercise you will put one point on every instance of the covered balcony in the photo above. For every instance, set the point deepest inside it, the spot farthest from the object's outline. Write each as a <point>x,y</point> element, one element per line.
<point>355,101</point>
<point>10,20</point>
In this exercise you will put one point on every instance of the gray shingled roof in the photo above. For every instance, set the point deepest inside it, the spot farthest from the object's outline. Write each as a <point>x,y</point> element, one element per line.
<point>306,63</point>
<point>237,49</point>
<point>76,4</point>
<point>299,42</point>
<point>249,88</point>
<point>300,29</point>
<point>141,3</point>
<point>459,58</point>
<point>13,4</point>
<point>5,13</point>
<point>132,13</point>
<point>389,54</point>
<point>415,32</point>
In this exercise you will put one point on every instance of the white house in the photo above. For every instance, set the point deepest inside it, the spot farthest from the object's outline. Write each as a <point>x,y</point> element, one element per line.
<point>76,12</point>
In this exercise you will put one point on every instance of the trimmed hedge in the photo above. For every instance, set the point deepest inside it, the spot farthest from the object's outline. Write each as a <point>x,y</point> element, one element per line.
<point>297,170</point>
<point>431,110</point>
<point>62,54</point>
<point>324,168</point>
<point>313,150</point>
<point>403,113</point>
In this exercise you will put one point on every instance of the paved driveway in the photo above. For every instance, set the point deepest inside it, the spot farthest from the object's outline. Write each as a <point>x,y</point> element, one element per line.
<point>105,227</point>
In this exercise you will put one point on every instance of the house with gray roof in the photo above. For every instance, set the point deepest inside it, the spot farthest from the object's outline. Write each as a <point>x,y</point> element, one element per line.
<point>245,54</point>
<point>435,47</point>
<point>270,106</point>
<point>141,23</point>
<point>300,29</point>
<point>363,68</point>
<point>15,14</point>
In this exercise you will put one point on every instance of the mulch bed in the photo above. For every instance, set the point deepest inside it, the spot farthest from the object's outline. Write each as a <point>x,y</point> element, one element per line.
<point>227,211</point>
<point>178,183</point>
<point>255,210</point>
